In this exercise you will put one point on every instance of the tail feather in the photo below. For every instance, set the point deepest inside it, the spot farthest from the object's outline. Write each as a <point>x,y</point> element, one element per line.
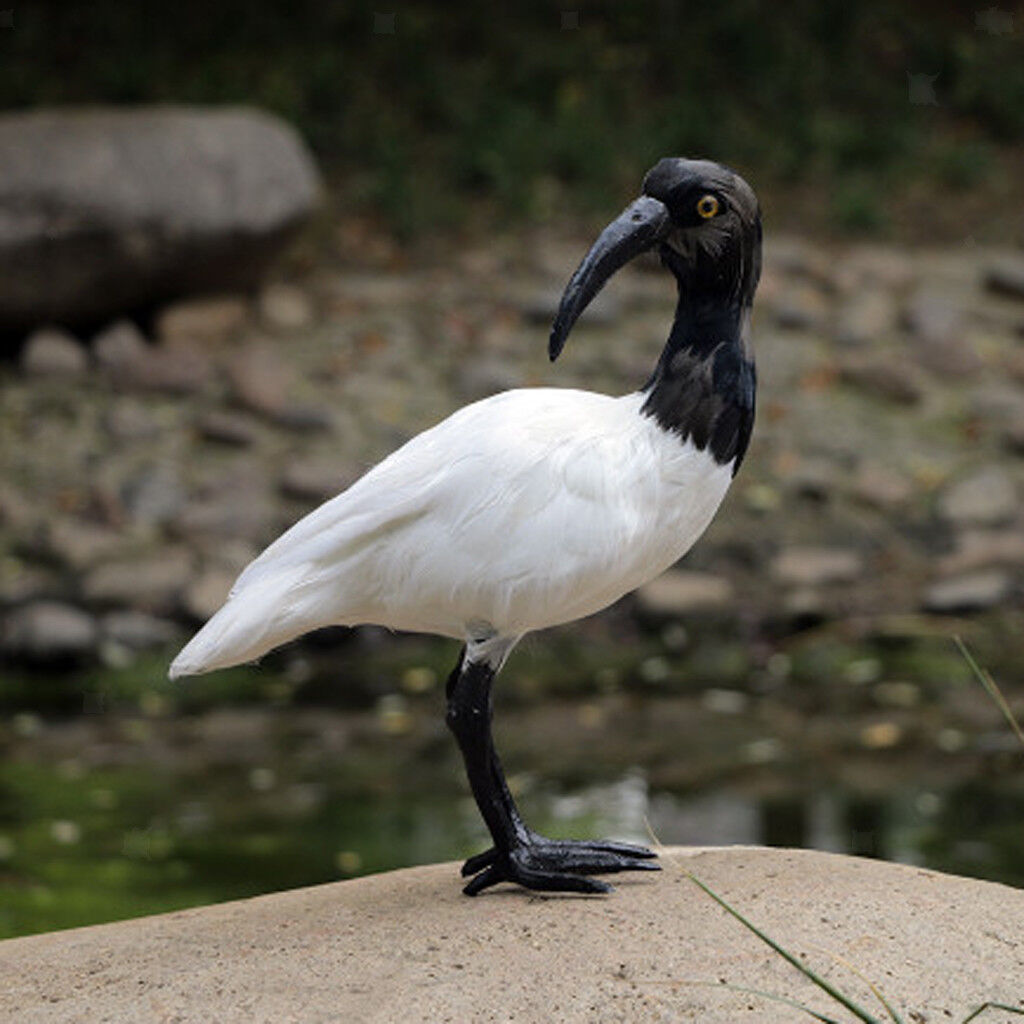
<point>275,609</point>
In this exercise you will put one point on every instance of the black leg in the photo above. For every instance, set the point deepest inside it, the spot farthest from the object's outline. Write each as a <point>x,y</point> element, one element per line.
<point>519,854</point>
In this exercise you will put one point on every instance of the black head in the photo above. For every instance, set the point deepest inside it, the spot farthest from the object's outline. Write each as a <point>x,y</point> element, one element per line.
<point>704,219</point>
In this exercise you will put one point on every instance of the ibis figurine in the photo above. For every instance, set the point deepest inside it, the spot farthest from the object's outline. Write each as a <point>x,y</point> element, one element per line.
<point>536,506</point>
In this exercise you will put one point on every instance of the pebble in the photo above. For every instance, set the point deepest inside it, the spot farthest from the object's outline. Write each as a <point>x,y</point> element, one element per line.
<point>884,377</point>
<point>79,544</point>
<point>880,486</point>
<point>978,549</point>
<point>205,320</point>
<point>49,630</point>
<point>314,480</point>
<point>259,379</point>
<point>154,495</point>
<point>969,593</point>
<point>228,427</point>
<point>814,567</point>
<point>800,308</point>
<point>865,317</point>
<point>51,352</point>
<point>1006,277</point>
<point>1013,436</point>
<point>120,347</point>
<point>151,583</point>
<point>207,592</point>
<point>682,592</point>
<point>285,307</point>
<point>541,308</point>
<point>138,631</point>
<point>986,497</point>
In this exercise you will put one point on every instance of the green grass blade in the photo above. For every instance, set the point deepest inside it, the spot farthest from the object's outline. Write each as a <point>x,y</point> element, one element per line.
<point>758,992</point>
<point>875,990</point>
<point>811,975</point>
<point>992,1006</point>
<point>991,687</point>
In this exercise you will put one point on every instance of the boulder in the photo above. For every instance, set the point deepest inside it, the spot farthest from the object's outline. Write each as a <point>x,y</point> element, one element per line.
<point>408,946</point>
<point>106,211</point>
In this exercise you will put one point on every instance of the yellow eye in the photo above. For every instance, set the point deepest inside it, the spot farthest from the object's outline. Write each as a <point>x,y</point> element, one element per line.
<point>707,206</point>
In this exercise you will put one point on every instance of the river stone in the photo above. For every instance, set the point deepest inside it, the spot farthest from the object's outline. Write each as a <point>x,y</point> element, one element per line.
<point>972,592</point>
<point>985,497</point>
<point>152,583</point>
<point>47,630</point>
<point>682,592</point>
<point>107,210</point>
<point>285,307</point>
<point>137,630</point>
<point>814,567</point>
<point>884,377</point>
<point>865,317</point>
<point>206,320</point>
<point>119,347</point>
<point>51,352</point>
<point>1006,277</point>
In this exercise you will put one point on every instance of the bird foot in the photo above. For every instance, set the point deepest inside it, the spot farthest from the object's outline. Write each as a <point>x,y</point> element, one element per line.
<point>555,865</point>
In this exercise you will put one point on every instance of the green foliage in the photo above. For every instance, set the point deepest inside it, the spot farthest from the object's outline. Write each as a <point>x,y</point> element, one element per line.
<point>465,102</point>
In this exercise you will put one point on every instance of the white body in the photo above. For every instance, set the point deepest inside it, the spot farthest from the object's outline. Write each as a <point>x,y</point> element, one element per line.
<point>524,510</point>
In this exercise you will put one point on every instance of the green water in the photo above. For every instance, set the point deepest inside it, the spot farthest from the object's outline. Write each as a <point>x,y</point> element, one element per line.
<point>120,796</point>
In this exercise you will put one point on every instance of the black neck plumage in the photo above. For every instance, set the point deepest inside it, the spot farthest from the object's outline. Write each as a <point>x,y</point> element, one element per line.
<point>704,384</point>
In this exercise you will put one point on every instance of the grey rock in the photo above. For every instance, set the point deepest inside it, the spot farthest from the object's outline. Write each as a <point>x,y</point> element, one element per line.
<point>973,592</point>
<point>800,308</point>
<point>246,513</point>
<point>315,479</point>
<point>303,419</point>
<point>46,630</point>
<point>181,370</point>
<point>880,486</point>
<point>79,544</point>
<point>932,317</point>
<point>285,307</point>
<point>138,631</point>
<point>980,549</point>
<point>1013,436</point>
<point>207,592</point>
<point>986,497</point>
<point>1006,277</point>
<point>151,583</point>
<point>51,352</point>
<point>682,592</point>
<point>884,377</point>
<point>865,317</point>
<point>809,567</point>
<point>541,308</point>
<point>227,427</point>
<point>259,379</point>
<point>154,496</point>
<point>128,419</point>
<point>207,320</point>
<point>107,210</point>
<point>119,347</point>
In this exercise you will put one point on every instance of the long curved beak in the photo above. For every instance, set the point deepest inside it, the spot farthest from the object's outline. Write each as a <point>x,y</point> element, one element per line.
<point>638,228</point>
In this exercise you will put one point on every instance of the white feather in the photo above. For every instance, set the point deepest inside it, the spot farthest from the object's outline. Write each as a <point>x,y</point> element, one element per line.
<point>524,510</point>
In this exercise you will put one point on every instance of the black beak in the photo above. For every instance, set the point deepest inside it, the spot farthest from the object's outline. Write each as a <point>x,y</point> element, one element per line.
<point>638,228</point>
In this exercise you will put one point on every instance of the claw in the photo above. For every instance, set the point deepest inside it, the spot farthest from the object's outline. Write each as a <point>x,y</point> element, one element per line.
<point>556,865</point>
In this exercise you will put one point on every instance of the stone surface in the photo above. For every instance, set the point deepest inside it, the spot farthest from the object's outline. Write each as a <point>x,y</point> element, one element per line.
<point>884,377</point>
<point>207,592</point>
<point>204,321</point>
<point>108,210</point>
<point>151,583</point>
<point>137,630</point>
<point>407,946</point>
<point>51,352</point>
<point>813,567</point>
<point>1006,277</point>
<point>259,379</point>
<point>987,496</point>
<point>46,630</point>
<point>968,593</point>
<point>285,307</point>
<point>865,317</point>
<point>681,592</point>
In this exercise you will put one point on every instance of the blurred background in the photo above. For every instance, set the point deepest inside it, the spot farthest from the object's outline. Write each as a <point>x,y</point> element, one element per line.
<point>247,250</point>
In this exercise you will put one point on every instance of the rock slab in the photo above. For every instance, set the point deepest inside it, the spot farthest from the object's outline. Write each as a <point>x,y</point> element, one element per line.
<point>407,946</point>
<point>103,211</point>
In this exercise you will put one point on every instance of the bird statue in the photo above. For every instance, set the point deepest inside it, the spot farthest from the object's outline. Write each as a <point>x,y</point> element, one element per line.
<point>535,506</point>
